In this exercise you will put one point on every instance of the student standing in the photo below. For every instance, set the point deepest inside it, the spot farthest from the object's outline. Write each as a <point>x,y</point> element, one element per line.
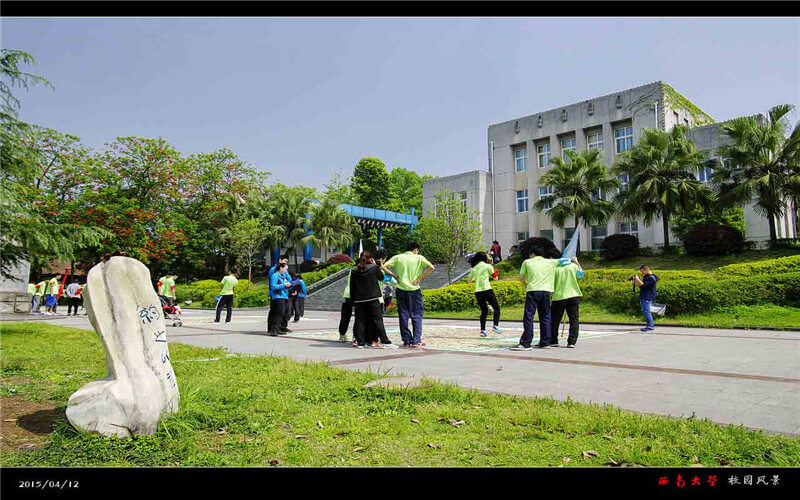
<point>228,283</point>
<point>347,311</point>
<point>411,269</point>
<point>566,297</point>
<point>40,293</point>
<point>481,273</point>
<point>537,275</point>
<point>279,284</point>
<point>647,294</point>
<point>365,292</point>
<point>52,294</point>
<point>168,288</point>
<point>495,252</point>
<point>34,297</point>
<point>73,297</point>
<point>298,299</point>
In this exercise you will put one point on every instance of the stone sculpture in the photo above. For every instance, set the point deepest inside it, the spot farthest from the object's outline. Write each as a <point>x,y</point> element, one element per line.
<point>141,385</point>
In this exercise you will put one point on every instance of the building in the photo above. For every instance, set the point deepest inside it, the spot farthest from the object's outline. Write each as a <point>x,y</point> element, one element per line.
<point>520,152</point>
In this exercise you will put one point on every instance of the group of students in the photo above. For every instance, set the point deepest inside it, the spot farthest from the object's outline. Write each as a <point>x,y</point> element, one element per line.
<point>287,294</point>
<point>47,292</point>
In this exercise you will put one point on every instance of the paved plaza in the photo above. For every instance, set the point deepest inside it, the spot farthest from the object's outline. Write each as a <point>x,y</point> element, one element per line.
<point>748,377</point>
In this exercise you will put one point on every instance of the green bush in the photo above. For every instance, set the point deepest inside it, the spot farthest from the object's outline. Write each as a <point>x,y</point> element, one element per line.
<point>620,246</point>
<point>772,266</point>
<point>255,297</point>
<point>462,297</point>
<point>713,239</point>
<point>315,276</point>
<point>198,290</point>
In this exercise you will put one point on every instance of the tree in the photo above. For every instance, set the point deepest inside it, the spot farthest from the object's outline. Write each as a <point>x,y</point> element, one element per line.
<point>763,164</point>
<point>290,211</point>
<point>246,237</point>
<point>405,190</point>
<point>339,189</point>
<point>26,233</point>
<point>331,226</point>
<point>370,183</point>
<point>428,233</point>
<point>681,223</point>
<point>661,171</point>
<point>577,186</point>
<point>463,229</point>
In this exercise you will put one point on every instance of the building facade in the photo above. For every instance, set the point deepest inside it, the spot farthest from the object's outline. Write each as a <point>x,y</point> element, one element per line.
<point>520,152</point>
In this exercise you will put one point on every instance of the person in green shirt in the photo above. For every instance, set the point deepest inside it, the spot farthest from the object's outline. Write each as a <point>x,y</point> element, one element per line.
<point>167,288</point>
<point>566,297</point>
<point>52,295</point>
<point>481,273</point>
<point>537,275</point>
<point>34,297</point>
<point>40,289</point>
<point>229,282</point>
<point>411,269</point>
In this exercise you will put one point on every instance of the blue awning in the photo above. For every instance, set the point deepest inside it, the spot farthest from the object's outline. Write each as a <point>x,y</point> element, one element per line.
<point>372,217</point>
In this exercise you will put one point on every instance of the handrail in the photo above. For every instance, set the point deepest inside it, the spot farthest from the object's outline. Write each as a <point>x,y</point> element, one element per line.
<point>327,280</point>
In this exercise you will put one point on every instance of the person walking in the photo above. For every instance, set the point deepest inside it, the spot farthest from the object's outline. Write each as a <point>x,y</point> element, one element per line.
<point>495,252</point>
<point>537,275</point>
<point>34,297</point>
<point>228,283</point>
<point>566,297</point>
<point>411,269</point>
<point>73,297</point>
<point>365,292</point>
<point>481,273</point>
<point>168,288</point>
<point>41,287</point>
<point>297,295</point>
<point>52,294</point>
<point>279,285</point>
<point>647,294</point>
<point>347,311</point>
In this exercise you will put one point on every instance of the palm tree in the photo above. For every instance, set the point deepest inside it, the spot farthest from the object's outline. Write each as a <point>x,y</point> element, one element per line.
<point>661,172</point>
<point>577,185</point>
<point>290,211</point>
<point>331,226</point>
<point>763,164</point>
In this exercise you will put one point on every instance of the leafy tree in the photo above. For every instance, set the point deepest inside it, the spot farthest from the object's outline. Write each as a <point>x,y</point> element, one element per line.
<point>246,238</point>
<point>661,171</point>
<point>428,233</point>
<point>576,187</point>
<point>462,226</point>
<point>331,226</point>
<point>370,183</point>
<point>339,189</point>
<point>290,211</point>
<point>405,190</point>
<point>714,214</point>
<point>764,164</point>
<point>26,233</point>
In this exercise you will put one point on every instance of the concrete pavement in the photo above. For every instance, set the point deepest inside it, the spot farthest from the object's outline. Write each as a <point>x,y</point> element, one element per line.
<point>748,377</point>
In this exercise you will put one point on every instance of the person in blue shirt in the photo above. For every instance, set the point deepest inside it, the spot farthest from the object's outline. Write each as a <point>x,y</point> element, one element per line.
<point>647,294</point>
<point>283,259</point>
<point>279,284</point>
<point>297,297</point>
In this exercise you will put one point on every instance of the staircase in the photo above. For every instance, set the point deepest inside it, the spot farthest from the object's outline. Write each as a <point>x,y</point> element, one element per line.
<point>326,295</point>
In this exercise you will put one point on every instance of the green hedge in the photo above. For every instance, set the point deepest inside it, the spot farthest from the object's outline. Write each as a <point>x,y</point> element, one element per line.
<point>462,297</point>
<point>198,290</point>
<point>314,276</point>
<point>772,266</point>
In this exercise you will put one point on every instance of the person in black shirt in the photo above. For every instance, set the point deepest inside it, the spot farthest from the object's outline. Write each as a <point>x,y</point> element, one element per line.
<point>647,294</point>
<point>365,293</point>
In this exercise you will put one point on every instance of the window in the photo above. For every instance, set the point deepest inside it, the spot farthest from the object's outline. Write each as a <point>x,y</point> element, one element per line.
<point>686,122</point>
<point>568,231</point>
<point>546,192</point>
<point>631,227</point>
<point>624,180</point>
<point>598,195</point>
<point>521,159</point>
<point>461,195</point>
<point>595,140</point>
<point>567,145</point>
<point>544,155</point>
<point>522,200</point>
<point>623,138</point>
<point>704,175</point>
<point>522,236</point>
<point>599,233</point>
<point>546,233</point>
<point>677,118</point>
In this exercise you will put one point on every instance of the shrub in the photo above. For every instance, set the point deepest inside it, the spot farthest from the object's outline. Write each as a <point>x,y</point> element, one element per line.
<point>308,265</point>
<point>647,251</point>
<point>315,276</point>
<point>462,297</point>
<point>733,217</point>
<point>620,246</point>
<point>713,239</point>
<point>255,297</point>
<point>771,266</point>
<point>339,258</point>
<point>526,246</point>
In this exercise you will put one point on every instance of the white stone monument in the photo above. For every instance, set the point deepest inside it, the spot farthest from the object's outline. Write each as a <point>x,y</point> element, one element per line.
<point>141,385</point>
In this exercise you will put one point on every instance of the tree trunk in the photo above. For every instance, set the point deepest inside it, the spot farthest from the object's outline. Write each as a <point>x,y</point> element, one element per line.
<point>578,246</point>
<point>665,223</point>
<point>249,274</point>
<point>773,233</point>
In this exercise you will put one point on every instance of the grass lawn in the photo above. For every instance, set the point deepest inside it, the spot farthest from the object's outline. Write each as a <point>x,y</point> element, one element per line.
<point>769,316</point>
<point>256,410</point>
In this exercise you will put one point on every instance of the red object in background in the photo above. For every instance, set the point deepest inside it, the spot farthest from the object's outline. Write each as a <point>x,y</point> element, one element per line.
<point>494,274</point>
<point>663,481</point>
<point>63,280</point>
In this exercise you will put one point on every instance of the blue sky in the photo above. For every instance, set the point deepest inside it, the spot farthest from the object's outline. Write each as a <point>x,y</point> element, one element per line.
<point>302,98</point>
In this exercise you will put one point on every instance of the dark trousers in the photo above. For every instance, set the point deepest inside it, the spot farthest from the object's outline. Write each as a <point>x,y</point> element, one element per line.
<point>287,314</point>
<point>487,297</point>
<point>409,306</point>
<point>347,313</point>
<point>276,313</point>
<point>225,301</point>
<point>558,307</point>
<point>73,302</point>
<point>536,300</point>
<point>369,323</point>
<point>298,307</point>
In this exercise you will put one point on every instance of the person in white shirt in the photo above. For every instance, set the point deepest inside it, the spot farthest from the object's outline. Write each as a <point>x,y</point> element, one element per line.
<point>73,297</point>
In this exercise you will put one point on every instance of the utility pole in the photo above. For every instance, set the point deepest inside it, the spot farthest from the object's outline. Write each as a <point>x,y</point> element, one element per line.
<point>491,172</point>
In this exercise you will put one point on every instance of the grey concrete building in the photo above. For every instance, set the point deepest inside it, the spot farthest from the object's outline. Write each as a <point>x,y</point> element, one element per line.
<point>520,152</point>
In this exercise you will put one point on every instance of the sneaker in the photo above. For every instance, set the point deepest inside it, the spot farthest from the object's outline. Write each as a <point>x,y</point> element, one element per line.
<point>496,329</point>
<point>390,346</point>
<point>553,344</point>
<point>542,346</point>
<point>286,330</point>
<point>405,346</point>
<point>359,346</point>
<point>415,345</point>
<point>272,334</point>
<point>646,329</point>
<point>520,347</point>
<point>571,346</point>
<point>483,334</point>
<point>355,343</point>
<point>375,345</point>
<point>342,338</point>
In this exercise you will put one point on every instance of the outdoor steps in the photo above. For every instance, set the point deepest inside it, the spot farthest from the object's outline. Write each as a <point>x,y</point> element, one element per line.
<point>328,296</point>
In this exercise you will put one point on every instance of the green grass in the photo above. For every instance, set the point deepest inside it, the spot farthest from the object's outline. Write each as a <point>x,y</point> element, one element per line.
<point>242,411</point>
<point>763,316</point>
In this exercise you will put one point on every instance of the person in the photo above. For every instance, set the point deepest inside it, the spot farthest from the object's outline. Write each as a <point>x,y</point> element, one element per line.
<point>385,299</point>
<point>34,297</point>
<point>410,273</point>
<point>566,297</point>
<point>297,295</point>
<point>537,275</point>
<point>388,292</point>
<point>647,294</point>
<point>73,297</point>
<point>283,327</point>
<point>168,288</point>
<point>365,292</point>
<point>347,311</point>
<point>495,252</point>
<point>283,259</point>
<point>41,287</point>
<point>228,283</point>
<point>482,273</point>
<point>279,284</point>
<point>52,294</point>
